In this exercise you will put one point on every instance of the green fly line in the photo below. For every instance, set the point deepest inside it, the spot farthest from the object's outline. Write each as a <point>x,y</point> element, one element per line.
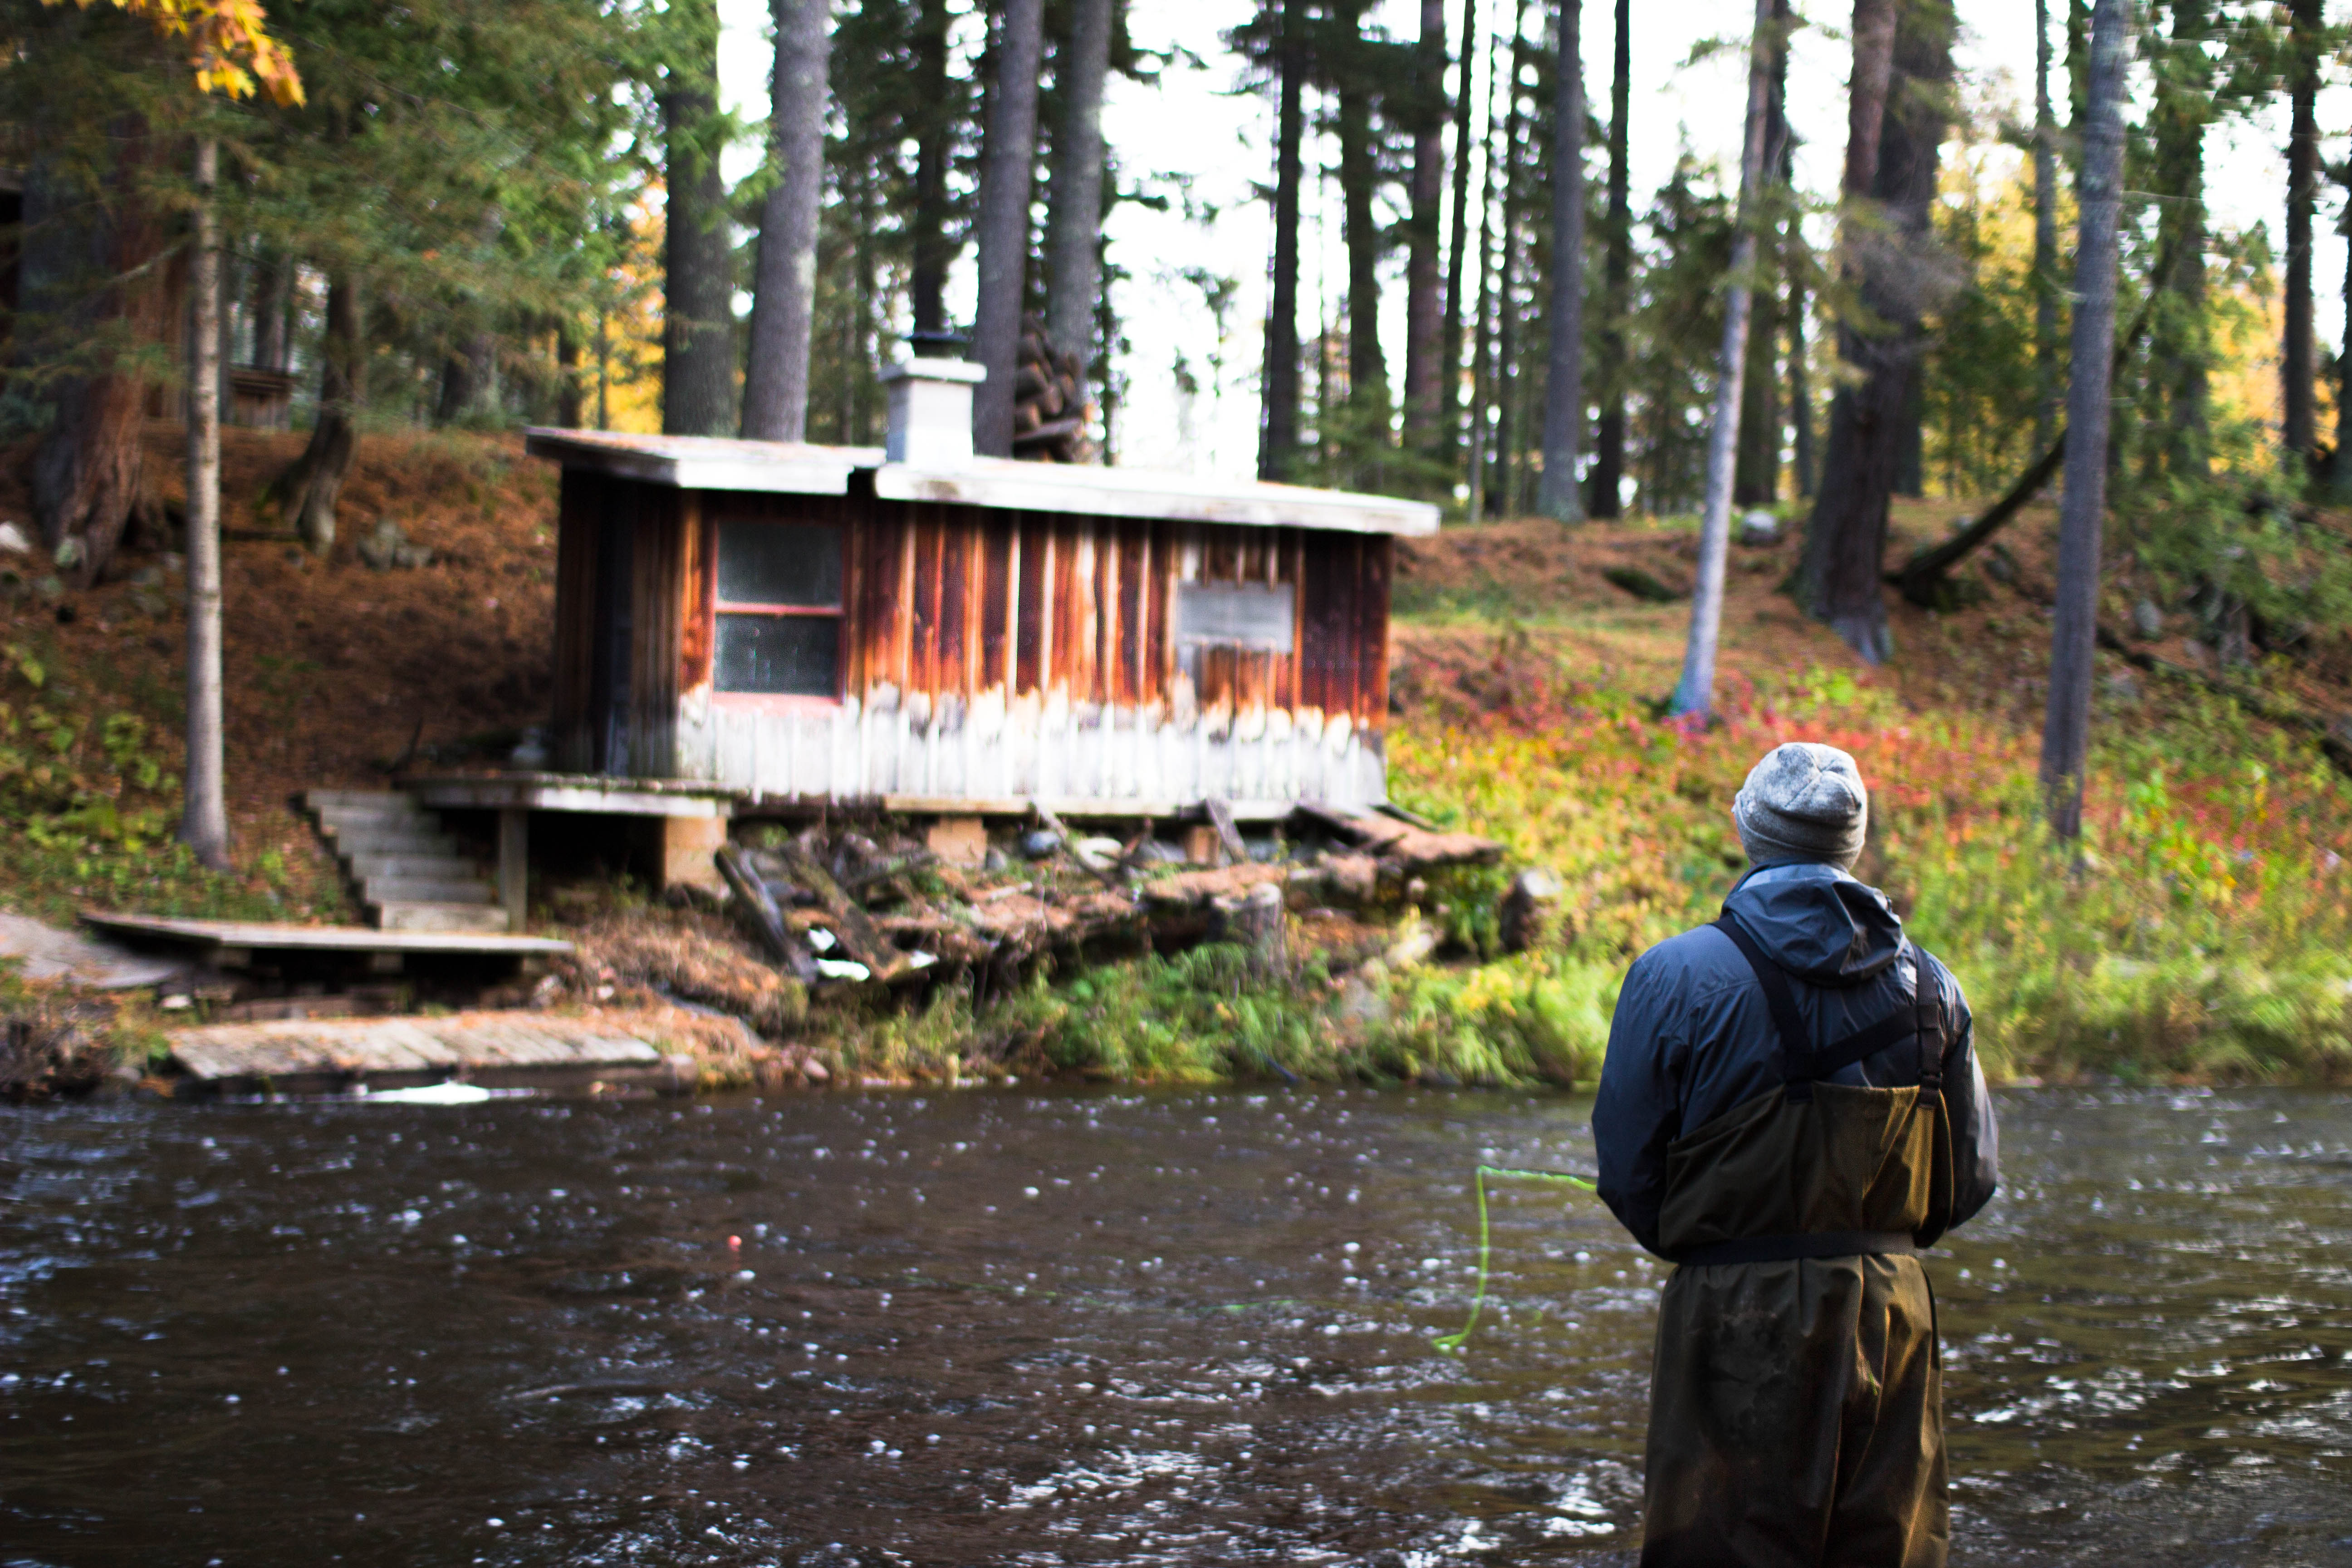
<point>1454,1342</point>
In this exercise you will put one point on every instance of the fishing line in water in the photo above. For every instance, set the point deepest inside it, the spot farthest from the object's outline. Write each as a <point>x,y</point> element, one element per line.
<point>1454,1342</point>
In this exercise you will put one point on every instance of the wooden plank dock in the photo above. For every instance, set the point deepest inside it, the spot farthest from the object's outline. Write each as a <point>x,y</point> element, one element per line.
<point>260,935</point>
<point>489,1048</point>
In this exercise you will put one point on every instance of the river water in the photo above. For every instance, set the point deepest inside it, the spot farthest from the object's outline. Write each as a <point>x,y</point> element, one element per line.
<point>1023,1326</point>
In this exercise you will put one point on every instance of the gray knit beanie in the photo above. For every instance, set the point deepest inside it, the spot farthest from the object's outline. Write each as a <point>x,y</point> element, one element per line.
<point>1804,802</point>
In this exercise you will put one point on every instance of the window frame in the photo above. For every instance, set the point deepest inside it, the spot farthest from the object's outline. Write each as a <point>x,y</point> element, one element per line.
<point>838,613</point>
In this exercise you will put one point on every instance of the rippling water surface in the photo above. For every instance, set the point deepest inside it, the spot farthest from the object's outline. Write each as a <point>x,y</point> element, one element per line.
<point>1016,1326</point>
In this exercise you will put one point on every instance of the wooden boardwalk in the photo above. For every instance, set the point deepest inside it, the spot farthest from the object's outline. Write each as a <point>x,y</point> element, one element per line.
<point>503,1046</point>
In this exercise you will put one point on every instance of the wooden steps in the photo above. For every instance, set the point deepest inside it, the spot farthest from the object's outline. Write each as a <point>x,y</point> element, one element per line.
<point>408,873</point>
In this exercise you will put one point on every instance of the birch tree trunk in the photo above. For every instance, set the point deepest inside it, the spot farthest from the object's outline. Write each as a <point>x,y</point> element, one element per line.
<point>1695,694</point>
<point>1073,241</point>
<point>1007,176</point>
<point>783,297</point>
<point>2074,631</point>
<point>1420,297</point>
<point>203,821</point>
<point>1278,426</point>
<point>1559,496</point>
<point>1448,442</point>
<point>1609,443</point>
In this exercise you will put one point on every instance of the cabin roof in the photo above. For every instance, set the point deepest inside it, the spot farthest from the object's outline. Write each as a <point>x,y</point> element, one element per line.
<point>707,462</point>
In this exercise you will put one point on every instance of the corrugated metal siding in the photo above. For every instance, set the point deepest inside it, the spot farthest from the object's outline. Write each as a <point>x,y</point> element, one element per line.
<point>995,653</point>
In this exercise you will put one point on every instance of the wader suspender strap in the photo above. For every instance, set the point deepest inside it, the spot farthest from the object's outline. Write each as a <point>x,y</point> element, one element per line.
<point>1796,1047</point>
<point>1800,1065</point>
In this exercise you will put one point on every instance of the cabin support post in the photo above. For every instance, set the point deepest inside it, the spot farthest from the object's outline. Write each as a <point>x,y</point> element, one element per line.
<point>514,863</point>
<point>690,853</point>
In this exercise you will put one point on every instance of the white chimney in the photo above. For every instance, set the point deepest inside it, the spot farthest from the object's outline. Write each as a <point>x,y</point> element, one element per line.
<point>930,412</point>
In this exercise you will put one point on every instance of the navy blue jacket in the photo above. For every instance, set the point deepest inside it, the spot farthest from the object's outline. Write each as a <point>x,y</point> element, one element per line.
<point>1693,1036</point>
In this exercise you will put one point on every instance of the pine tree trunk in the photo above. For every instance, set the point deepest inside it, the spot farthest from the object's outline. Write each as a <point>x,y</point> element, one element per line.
<point>1756,478</point>
<point>1007,177</point>
<point>1428,189</point>
<point>2045,239</point>
<point>2342,469</point>
<point>1278,426</point>
<point>273,292</point>
<point>1695,692</point>
<point>783,297</point>
<point>2298,366</point>
<point>1889,184</point>
<point>1447,445</point>
<point>1559,496</point>
<point>932,253</point>
<point>307,491</point>
<point>1608,440</point>
<point>1073,226</point>
<point>698,395</point>
<point>571,396</point>
<point>2073,636</point>
<point>1800,390</point>
<point>2180,348</point>
<point>87,279</point>
<point>1360,182</point>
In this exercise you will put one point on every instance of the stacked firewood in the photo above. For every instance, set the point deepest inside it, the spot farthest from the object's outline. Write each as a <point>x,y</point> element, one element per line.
<point>1049,405</point>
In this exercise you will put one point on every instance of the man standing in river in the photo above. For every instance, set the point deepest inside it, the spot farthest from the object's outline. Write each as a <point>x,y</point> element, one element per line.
<point>1790,1108</point>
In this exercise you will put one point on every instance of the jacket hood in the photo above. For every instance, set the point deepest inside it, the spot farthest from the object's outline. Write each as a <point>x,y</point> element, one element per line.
<point>1818,923</point>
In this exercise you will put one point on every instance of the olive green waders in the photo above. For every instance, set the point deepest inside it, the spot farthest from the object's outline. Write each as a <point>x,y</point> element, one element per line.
<point>1796,1403</point>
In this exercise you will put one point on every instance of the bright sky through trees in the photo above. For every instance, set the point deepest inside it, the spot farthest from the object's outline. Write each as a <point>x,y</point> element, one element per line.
<point>1192,137</point>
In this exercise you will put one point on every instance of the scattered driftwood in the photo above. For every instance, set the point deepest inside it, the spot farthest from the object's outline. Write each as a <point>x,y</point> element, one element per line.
<point>760,910</point>
<point>860,942</point>
<point>849,910</point>
<point>1229,834</point>
<point>1925,578</point>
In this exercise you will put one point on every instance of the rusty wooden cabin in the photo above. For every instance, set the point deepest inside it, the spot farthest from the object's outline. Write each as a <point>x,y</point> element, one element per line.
<point>808,624</point>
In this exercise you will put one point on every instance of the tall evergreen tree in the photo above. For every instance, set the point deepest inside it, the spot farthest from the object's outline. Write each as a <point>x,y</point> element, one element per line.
<point>1423,329</point>
<point>1560,496</point>
<point>784,301</point>
<point>1888,256</point>
<point>2298,366</point>
<point>1007,183</point>
<point>2180,344</point>
<point>1609,442</point>
<point>698,248</point>
<point>936,100</point>
<point>2045,236</point>
<point>1756,479</point>
<point>1278,424</point>
<point>1073,226</point>
<point>2073,628</point>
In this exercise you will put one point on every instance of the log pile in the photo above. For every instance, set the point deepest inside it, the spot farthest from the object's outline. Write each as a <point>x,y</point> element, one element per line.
<point>1049,405</point>
<point>850,909</point>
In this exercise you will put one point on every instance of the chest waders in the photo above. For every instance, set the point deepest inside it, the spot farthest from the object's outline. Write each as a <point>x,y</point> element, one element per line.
<point>1796,1415</point>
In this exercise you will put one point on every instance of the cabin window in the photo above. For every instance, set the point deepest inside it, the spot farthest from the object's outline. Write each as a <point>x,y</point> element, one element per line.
<point>780,610</point>
<point>1256,615</point>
